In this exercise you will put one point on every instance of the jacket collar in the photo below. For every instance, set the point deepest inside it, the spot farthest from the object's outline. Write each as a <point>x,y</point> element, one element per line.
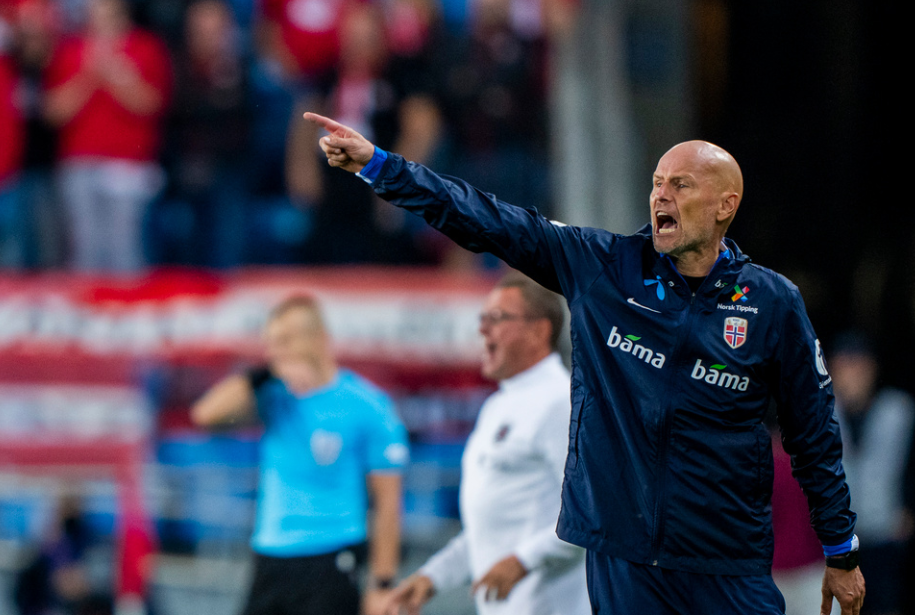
<point>720,279</point>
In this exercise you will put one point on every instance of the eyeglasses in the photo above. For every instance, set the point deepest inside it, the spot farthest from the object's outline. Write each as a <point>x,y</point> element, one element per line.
<point>494,317</point>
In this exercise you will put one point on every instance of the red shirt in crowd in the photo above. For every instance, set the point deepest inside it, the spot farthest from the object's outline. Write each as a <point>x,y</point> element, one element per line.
<point>12,141</point>
<point>309,30</point>
<point>104,127</point>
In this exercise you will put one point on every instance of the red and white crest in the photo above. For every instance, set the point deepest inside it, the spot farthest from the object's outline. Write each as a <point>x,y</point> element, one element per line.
<point>735,331</point>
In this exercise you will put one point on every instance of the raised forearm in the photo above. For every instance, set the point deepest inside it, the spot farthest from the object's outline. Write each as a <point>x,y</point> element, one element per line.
<point>231,400</point>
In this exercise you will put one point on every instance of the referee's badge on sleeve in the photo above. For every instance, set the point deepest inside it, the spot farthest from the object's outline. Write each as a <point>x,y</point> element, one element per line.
<point>397,454</point>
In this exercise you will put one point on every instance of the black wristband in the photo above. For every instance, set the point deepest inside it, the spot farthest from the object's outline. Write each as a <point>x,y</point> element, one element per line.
<point>383,583</point>
<point>258,376</point>
<point>846,561</point>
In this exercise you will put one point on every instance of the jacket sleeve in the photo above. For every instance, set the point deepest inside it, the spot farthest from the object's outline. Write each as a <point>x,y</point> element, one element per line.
<point>450,567</point>
<point>810,430</point>
<point>559,257</point>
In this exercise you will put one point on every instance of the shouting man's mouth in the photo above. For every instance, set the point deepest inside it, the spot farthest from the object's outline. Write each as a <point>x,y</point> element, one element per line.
<point>665,223</point>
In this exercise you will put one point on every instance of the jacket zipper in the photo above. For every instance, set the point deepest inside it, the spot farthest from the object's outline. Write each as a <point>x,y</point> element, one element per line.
<point>657,534</point>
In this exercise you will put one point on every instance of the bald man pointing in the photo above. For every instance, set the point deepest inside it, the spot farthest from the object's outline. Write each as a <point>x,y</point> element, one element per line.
<point>679,344</point>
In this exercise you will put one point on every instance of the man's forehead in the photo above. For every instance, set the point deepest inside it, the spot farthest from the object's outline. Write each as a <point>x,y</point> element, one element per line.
<point>701,160</point>
<point>683,162</point>
<point>297,318</point>
<point>505,298</point>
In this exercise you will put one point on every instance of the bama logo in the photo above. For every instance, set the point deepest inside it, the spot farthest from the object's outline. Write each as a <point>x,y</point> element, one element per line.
<point>715,374</point>
<point>627,344</point>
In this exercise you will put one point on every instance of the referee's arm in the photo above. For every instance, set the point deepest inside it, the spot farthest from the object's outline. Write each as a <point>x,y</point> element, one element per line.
<point>229,401</point>
<point>384,535</point>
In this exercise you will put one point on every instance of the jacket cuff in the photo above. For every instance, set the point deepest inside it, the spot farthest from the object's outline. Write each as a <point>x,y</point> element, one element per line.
<point>851,544</point>
<point>370,172</point>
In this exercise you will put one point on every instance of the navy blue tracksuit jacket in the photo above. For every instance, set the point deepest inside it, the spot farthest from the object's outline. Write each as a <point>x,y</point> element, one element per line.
<point>669,463</point>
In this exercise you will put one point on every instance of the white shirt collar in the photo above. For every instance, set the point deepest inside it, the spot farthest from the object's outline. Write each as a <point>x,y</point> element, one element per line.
<point>532,374</point>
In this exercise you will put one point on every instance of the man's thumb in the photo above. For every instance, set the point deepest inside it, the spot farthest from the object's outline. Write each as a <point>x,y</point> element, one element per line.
<point>826,605</point>
<point>338,142</point>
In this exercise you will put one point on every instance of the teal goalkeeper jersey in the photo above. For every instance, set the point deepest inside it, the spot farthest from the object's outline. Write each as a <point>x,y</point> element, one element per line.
<point>315,455</point>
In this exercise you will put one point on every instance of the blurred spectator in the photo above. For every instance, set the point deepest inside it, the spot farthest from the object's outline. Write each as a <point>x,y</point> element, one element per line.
<point>797,563</point>
<point>877,432</point>
<point>908,569</point>
<point>527,16</point>
<point>298,47</point>
<point>494,96</point>
<point>107,91</point>
<point>35,27</point>
<point>208,141</point>
<point>14,219</point>
<point>136,566</point>
<point>302,36</point>
<point>388,98</point>
<point>56,581</point>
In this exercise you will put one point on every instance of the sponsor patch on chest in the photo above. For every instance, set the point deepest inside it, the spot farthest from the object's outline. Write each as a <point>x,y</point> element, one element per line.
<point>717,375</point>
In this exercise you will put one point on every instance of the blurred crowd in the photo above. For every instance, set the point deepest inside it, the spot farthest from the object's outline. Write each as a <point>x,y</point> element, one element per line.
<point>145,132</point>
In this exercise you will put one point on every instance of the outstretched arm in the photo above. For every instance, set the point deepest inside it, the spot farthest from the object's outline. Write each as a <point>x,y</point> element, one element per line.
<point>563,259</point>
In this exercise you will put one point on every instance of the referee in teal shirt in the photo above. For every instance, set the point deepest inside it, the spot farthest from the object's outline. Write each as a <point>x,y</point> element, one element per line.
<point>332,442</point>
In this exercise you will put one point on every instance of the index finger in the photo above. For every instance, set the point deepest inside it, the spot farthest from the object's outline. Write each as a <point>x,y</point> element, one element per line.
<point>324,122</point>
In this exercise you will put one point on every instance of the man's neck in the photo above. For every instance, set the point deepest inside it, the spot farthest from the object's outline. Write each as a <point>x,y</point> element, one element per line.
<point>313,377</point>
<point>698,263</point>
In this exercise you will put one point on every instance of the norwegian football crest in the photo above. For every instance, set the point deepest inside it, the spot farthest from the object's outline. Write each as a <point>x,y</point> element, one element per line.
<point>735,331</point>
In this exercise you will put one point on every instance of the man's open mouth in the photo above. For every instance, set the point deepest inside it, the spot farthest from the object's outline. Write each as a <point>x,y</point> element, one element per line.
<point>665,223</point>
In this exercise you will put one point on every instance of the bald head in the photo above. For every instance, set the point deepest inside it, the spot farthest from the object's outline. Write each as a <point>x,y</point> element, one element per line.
<point>714,162</point>
<point>697,190</point>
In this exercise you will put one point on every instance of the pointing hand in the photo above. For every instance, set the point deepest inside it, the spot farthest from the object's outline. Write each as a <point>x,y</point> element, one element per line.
<point>344,147</point>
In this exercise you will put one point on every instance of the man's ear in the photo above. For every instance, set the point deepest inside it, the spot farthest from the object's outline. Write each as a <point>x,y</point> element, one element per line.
<point>727,207</point>
<point>544,330</point>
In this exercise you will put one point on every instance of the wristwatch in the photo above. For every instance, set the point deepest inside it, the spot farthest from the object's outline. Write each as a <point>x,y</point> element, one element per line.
<point>845,561</point>
<point>382,583</point>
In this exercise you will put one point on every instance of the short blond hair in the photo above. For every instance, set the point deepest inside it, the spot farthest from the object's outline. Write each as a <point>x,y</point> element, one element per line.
<point>304,302</point>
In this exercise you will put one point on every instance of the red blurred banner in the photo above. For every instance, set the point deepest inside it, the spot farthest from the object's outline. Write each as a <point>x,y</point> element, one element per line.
<point>374,314</point>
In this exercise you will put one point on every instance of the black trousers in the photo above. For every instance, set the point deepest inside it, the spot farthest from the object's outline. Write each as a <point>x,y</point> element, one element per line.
<point>324,584</point>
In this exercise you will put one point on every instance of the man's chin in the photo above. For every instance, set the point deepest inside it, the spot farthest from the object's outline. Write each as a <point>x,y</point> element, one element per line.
<point>664,245</point>
<point>490,372</point>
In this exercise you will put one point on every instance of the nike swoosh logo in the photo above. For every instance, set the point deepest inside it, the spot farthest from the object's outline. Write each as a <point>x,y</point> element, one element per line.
<point>644,307</point>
